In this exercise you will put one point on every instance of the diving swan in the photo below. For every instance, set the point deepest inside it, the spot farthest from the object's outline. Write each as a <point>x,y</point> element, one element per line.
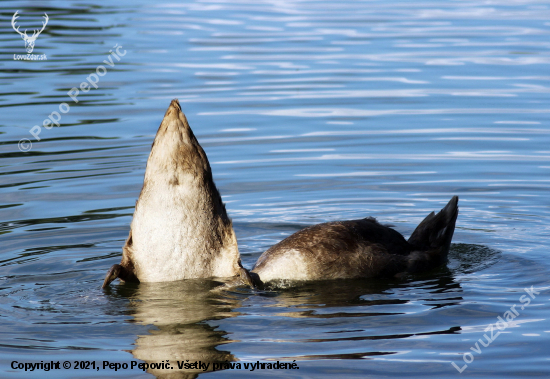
<point>180,230</point>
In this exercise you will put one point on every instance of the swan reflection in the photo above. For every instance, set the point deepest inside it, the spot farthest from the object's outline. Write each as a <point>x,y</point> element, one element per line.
<point>179,313</point>
<point>372,317</point>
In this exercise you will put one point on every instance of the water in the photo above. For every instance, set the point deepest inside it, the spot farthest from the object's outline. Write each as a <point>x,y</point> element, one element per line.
<point>309,112</point>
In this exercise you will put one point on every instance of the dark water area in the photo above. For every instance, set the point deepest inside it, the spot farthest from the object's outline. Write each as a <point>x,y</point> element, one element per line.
<point>309,111</point>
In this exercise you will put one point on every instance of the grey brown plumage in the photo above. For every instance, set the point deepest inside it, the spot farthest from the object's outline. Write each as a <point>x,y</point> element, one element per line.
<point>180,228</point>
<point>359,249</point>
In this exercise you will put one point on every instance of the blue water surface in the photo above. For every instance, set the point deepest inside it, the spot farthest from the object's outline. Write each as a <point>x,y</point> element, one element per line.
<point>309,111</point>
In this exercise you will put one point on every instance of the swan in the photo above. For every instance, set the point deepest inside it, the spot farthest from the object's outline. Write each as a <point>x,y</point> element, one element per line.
<point>180,230</point>
<point>358,249</point>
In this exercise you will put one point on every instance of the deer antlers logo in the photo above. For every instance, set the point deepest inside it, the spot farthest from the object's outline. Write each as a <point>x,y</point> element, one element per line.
<point>29,41</point>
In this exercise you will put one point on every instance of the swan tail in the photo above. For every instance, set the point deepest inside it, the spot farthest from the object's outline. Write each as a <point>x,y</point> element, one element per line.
<point>431,239</point>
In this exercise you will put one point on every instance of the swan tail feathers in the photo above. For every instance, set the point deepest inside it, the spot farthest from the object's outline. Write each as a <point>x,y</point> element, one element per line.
<point>431,239</point>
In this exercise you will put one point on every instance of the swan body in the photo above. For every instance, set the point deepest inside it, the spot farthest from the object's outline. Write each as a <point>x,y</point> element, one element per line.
<point>180,228</point>
<point>358,249</point>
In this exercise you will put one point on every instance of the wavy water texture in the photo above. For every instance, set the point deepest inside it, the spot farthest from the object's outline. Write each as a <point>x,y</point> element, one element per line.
<point>310,111</point>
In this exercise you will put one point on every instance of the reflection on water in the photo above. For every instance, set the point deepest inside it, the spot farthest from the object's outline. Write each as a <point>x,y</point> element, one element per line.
<point>309,111</point>
<point>182,313</point>
<point>177,312</point>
